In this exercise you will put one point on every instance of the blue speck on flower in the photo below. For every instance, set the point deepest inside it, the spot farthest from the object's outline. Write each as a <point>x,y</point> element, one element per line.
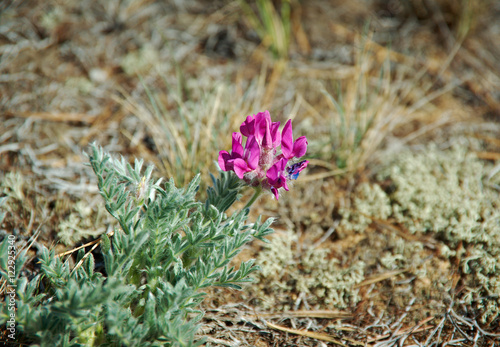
<point>295,169</point>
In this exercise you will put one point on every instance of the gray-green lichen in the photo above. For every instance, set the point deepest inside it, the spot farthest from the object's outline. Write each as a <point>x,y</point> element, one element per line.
<point>370,201</point>
<point>82,222</point>
<point>444,193</point>
<point>312,275</point>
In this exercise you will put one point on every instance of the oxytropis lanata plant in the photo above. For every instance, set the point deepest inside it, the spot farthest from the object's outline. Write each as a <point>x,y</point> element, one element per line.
<point>167,247</point>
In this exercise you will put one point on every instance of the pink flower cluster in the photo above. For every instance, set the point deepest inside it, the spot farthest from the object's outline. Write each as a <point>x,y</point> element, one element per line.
<point>260,163</point>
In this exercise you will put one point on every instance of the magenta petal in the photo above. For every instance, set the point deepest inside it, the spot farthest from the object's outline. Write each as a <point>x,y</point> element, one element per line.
<point>240,167</point>
<point>237,151</point>
<point>275,171</point>
<point>300,147</point>
<point>275,192</point>
<point>267,141</point>
<point>272,174</point>
<point>283,182</point>
<point>247,128</point>
<point>262,121</point>
<point>252,152</point>
<point>223,158</point>
<point>282,164</point>
<point>275,134</point>
<point>260,129</point>
<point>287,140</point>
<point>262,117</point>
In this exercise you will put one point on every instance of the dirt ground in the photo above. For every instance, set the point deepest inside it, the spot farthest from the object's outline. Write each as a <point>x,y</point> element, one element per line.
<point>391,235</point>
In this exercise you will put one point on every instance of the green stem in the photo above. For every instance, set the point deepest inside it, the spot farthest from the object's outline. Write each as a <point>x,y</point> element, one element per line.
<point>250,202</point>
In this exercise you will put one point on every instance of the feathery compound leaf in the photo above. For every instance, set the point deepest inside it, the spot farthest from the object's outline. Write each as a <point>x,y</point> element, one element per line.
<point>105,243</point>
<point>225,191</point>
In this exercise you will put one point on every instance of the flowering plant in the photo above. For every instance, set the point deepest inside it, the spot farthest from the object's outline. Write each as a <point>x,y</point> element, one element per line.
<point>166,248</point>
<point>260,164</point>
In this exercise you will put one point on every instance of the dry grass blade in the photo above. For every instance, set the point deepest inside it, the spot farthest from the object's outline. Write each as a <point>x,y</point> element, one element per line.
<point>326,314</point>
<point>94,245</point>
<point>379,100</point>
<point>84,257</point>
<point>471,323</point>
<point>186,139</point>
<point>56,117</point>
<point>278,69</point>
<point>489,139</point>
<point>405,234</point>
<point>323,175</point>
<point>488,155</point>
<point>461,326</point>
<point>305,333</point>
<point>71,251</point>
<point>379,278</point>
<point>395,337</point>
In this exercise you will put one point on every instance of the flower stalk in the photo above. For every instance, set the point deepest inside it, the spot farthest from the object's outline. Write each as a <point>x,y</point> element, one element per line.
<point>258,192</point>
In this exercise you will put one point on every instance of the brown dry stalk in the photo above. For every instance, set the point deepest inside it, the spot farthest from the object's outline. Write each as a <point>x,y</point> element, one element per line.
<point>95,243</point>
<point>488,155</point>
<point>492,140</point>
<point>84,257</point>
<point>311,334</point>
<point>415,329</point>
<point>111,233</point>
<point>55,117</point>
<point>326,314</point>
<point>381,277</point>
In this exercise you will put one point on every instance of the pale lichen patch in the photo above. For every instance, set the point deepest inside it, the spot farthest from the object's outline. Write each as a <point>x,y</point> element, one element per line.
<point>313,276</point>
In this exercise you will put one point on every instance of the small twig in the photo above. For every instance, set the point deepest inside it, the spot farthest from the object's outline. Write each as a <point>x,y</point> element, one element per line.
<point>84,257</point>
<point>55,117</point>
<point>397,335</point>
<point>325,314</point>
<point>455,324</point>
<point>311,334</point>
<point>327,234</point>
<point>403,316</point>
<point>452,342</point>
<point>111,233</point>
<point>439,328</point>
<point>95,243</point>
<point>381,277</point>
